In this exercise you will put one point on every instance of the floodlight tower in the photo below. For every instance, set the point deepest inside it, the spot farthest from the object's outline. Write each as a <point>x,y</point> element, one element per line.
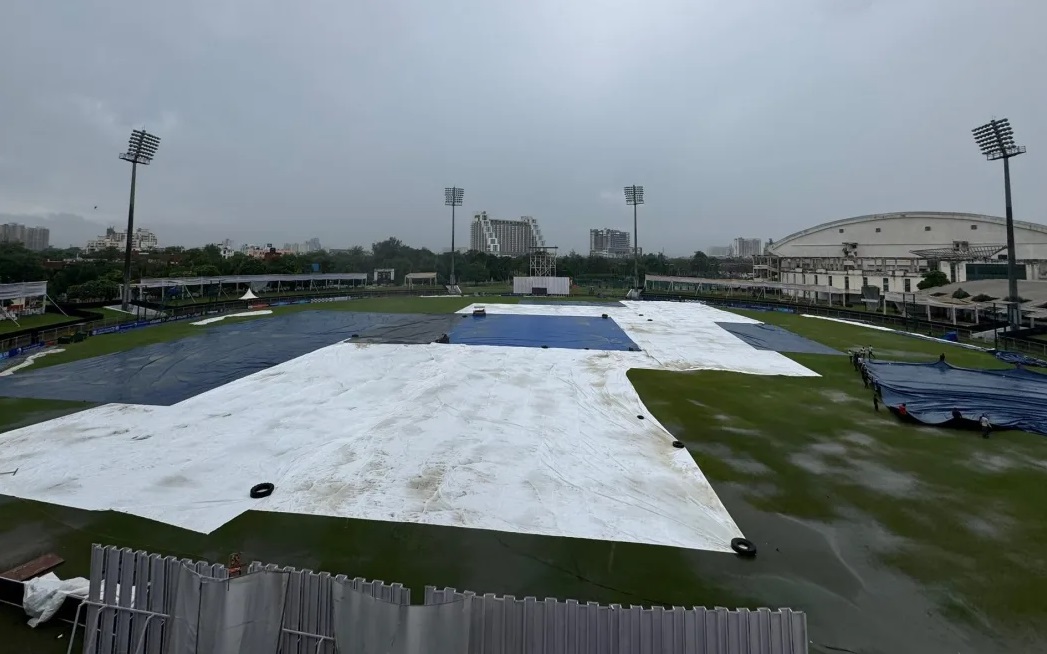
<point>996,141</point>
<point>141,148</point>
<point>453,198</point>
<point>634,196</point>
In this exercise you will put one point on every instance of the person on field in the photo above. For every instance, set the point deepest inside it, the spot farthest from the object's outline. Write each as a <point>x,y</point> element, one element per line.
<point>986,425</point>
<point>902,411</point>
<point>956,415</point>
<point>876,402</point>
<point>941,358</point>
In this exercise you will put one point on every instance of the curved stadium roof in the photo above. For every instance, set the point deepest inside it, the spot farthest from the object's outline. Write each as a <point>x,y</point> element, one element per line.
<point>908,214</point>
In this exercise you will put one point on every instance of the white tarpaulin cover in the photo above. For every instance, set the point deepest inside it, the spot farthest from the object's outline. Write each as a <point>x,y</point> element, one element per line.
<point>527,440</point>
<point>552,285</point>
<point>22,289</point>
<point>243,314</point>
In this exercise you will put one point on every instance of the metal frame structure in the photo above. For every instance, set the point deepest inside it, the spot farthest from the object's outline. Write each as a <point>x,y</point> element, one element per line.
<point>453,196</point>
<point>141,149</point>
<point>138,618</point>
<point>357,279</point>
<point>543,261</point>
<point>967,253</point>
<point>996,141</point>
<point>634,197</point>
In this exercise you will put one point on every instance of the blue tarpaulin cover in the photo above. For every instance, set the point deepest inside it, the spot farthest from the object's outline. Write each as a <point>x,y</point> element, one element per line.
<point>1016,358</point>
<point>166,373</point>
<point>1012,398</point>
<point>572,332</point>
<point>775,339</point>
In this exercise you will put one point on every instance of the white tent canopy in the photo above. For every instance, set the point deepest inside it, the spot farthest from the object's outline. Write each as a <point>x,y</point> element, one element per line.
<point>22,290</point>
<point>249,295</point>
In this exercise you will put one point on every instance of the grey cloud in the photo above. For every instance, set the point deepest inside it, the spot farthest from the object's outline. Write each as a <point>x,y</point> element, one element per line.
<point>283,121</point>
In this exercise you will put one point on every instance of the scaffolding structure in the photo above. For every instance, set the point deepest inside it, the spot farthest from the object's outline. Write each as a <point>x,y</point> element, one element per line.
<point>543,261</point>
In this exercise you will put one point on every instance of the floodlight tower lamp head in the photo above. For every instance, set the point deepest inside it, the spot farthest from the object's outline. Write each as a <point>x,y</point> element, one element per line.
<point>141,147</point>
<point>995,139</point>
<point>634,194</point>
<point>453,196</point>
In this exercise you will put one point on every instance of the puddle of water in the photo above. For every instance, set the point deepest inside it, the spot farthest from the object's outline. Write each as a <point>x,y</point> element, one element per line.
<point>739,462</point>
<point>858,438</point>
<point>828,447</point>
<point>992,462</point>
<point>839,396</point>
<point>882,479</point>
<point>812,464</point>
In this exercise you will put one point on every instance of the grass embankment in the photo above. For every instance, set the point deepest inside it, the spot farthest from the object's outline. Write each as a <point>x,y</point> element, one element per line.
<point>967,514</point>
<point>32,322</point>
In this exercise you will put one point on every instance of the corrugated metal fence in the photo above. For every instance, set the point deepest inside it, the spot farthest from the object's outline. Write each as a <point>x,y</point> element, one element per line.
<point>132,595</point>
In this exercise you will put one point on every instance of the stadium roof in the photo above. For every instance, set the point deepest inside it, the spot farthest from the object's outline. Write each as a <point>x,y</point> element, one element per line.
<point>908,214</point>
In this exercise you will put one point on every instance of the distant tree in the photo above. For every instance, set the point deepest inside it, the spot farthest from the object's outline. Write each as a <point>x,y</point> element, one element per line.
<point>960,294</point>
<point>17,264</point>
<point>932,279</point>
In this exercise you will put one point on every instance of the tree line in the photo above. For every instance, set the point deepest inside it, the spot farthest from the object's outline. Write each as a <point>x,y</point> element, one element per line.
<point>74,275</point>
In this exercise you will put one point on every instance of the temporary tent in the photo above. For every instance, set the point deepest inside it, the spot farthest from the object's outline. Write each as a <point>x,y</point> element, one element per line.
<point>249,295</point>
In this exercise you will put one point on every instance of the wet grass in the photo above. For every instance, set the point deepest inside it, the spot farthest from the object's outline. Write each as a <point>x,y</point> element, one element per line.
<point>967,513</point>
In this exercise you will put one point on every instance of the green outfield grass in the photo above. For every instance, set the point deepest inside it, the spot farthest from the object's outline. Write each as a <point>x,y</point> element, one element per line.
<point>892,537</point>
<point>31,322</point>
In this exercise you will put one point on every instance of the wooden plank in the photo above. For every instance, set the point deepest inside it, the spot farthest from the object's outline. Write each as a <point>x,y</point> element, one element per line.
<point>33,568</point>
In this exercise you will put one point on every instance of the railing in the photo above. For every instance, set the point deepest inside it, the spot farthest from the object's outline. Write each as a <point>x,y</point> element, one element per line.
<point>133,596</point>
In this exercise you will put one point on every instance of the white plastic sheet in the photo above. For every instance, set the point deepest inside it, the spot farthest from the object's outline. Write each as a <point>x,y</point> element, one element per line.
<point>43,596</point>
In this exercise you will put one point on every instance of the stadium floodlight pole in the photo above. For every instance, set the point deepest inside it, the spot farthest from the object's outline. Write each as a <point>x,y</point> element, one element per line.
<point>141,148</point>
<point>996,141</point>
<point>453,198</point>
<point>634,196</point>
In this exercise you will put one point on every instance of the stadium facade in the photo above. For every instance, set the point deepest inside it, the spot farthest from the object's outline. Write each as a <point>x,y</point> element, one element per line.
<point>506,238</point>
<point>607,242</point>
<point>893,251</point>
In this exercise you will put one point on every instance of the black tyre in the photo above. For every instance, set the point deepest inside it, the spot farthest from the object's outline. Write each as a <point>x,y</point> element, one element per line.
<point>259,491</point>
<point>604,316</point>
<point>640,417</point>
<point>743,547</point>
<point>678,445</point>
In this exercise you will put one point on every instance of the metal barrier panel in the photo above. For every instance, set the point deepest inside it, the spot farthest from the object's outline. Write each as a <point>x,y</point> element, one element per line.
<point>131,595</point>
<point>507,625</point>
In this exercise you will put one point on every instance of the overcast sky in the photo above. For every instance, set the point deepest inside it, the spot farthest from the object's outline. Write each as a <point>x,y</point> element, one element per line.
<point>345,120</point>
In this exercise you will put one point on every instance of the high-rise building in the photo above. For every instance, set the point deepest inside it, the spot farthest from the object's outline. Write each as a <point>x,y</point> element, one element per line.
<point>747,247</point>
<point>609,243</point>
<point>141,240</point>
<point>719,250</point>
<point>37,238</point>
<point>33,238</point>
<point>507,238</point>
